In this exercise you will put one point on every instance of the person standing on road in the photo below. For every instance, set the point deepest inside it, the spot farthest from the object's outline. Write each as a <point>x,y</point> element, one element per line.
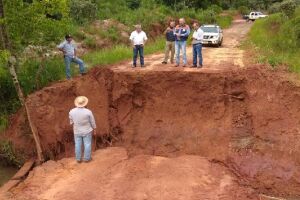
<point>170,42</point>
<point>69,49</point>
<point>197,45</point>
<point>84,126</point>
<point>138,39</point>
<point>182,32</point>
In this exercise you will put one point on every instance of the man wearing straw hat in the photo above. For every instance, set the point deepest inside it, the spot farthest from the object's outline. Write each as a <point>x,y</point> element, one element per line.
<point>84,126</point>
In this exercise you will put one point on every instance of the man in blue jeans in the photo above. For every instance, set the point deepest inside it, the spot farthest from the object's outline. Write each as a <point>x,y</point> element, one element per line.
<point>69,50</point>
<point>138,39</point>
<point>84,126</point>
<point>182,32</point>
<point>197,45</point>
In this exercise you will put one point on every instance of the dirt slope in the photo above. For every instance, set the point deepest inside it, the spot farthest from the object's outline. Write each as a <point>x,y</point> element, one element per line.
<point>113,176</point>
<point>239,122</point>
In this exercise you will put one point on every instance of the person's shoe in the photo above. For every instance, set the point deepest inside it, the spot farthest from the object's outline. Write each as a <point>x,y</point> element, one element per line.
<point>200,66</point>
<point>142,66</point>
<point>83,73</point>
<point>184,66</point>
<point>87,161</point>
<point>176,65</point>
<point>194,66</point>
<point>133,66</point>
<point>78,161</point>
<point>164,62</point>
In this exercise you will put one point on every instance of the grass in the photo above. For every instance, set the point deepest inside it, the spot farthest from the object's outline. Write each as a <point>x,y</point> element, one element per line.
<point>224,21</point>
<point>119,53</point>
<point>276,40</point>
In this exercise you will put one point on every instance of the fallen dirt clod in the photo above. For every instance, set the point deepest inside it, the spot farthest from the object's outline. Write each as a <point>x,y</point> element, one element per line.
<point>225,132</point>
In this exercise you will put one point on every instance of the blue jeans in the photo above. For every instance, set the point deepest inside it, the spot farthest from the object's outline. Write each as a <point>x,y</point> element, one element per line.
<point>197,52</point>
<point>68,61</point>
<point>138,49</point>
<point>87,142</point>
<point>180,45</point>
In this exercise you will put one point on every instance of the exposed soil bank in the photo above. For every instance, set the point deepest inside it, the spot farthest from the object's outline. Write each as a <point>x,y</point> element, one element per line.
<point>246,119</point>
<point>242,122</point>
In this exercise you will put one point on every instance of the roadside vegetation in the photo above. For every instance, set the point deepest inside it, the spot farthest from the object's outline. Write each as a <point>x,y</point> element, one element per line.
<point>276,39</point>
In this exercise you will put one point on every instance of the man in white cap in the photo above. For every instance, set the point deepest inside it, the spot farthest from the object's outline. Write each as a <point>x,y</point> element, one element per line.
<point>84,126</point>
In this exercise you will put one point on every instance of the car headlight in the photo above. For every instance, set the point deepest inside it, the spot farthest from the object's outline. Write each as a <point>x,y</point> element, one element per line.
<point>216,37</point>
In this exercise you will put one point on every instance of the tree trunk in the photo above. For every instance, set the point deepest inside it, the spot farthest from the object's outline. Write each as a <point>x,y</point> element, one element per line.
<point>6,45</point>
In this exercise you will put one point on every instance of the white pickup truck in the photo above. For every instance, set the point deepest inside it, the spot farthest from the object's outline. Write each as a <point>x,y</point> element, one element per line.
<point>254,16</point>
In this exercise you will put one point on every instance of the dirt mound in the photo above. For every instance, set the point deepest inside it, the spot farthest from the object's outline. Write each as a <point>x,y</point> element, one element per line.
<point>245,119</point>
<point>143,177</point>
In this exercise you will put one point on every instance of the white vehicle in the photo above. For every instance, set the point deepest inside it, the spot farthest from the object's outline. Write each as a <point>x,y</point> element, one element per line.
<point>256,15</point>
<point>213,35</point>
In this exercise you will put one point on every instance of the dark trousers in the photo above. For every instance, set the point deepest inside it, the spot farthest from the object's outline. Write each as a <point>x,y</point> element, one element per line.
<point>138,50</point>
<point>197,52</point>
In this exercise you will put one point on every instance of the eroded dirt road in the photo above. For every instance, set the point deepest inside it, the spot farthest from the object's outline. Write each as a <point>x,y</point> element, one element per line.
<point>185,134</point>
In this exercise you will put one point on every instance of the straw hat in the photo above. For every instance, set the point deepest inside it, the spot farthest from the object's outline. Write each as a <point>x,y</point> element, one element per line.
<point>81,101</point>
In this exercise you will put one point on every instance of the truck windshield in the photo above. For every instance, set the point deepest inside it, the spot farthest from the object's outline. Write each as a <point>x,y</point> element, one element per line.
<point>210,29</point>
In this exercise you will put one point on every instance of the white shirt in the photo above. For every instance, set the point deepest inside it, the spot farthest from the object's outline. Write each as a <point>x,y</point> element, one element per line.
<point>83,121</point>
<point>68,47</point>
<point>138,38</point>
<point>198,36</point>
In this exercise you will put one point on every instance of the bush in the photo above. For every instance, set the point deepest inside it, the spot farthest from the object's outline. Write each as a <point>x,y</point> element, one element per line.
<point>83,11</point>
<point>8,96</point>
<point>244,10</point>
<point>8,154</point>
<point>217,9</point>
<point>274,8</point>
<point>288,7</point>
<point>133,4</point>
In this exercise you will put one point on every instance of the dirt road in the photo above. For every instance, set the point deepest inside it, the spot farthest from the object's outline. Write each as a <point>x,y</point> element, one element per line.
<point>215,59</point>
<point>227,131</point>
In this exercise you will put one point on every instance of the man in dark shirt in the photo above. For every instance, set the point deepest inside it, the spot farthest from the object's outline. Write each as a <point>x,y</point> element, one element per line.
<point>170,43</point>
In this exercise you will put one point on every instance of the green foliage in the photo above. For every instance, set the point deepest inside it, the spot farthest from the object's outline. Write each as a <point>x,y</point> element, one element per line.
<point>90,42</point>
<point>35,74</point>
<point>79,35</point>
<point>133,4</point>
<point>217,9</point>
<point>274,8</point>
<point>244,10</point>
<point>274,47</point>
<point>8,96</point>
<point>8,154</point>
<point>3,122</point>
<point>39,22</point>
<point>288,7</point>
<point>224,21</point>
<point>119,53</point>
<point>83,11</point>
